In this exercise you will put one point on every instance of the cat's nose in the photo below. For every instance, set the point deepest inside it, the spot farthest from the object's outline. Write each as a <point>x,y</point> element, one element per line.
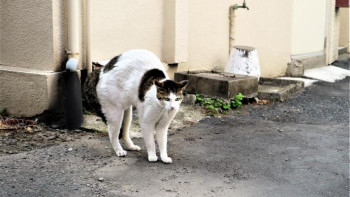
<point>172,108</point>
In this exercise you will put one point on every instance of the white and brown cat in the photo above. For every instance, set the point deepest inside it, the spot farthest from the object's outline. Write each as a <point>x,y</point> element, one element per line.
<point>138,78</point>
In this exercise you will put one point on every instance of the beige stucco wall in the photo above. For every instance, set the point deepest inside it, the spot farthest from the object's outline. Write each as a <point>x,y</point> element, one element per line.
<point>267,26</point>
<point>117,26</point>
<point>27,34</point>
<point>308,26</point>
<point>27,92</point>
<point>208,34</point>
<point>175,31</point>
<point>344,34</point>
<point>178,31</point>
<point>333,24</point>
<point>32,39</point>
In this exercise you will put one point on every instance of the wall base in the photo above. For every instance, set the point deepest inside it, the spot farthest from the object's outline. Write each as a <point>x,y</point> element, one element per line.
<point>300,63</point>
<point>343,50</point>
<point>27,92</point>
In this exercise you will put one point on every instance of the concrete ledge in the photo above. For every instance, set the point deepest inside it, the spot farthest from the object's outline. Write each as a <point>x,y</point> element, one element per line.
<point>225,85</point>
<point>342,50</point>
<point>299,63</point>
<point>278,89</point>
<point>281,82</point>
<point>26,92</point>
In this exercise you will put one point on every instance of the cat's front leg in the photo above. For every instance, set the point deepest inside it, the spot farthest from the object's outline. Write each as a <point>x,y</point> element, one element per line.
<point>162,140</point>
<point>148,136</point>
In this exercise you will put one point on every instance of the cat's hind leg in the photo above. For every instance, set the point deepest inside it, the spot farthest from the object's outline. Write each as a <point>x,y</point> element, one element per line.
<point>126,129</point>
<point>114,121</point>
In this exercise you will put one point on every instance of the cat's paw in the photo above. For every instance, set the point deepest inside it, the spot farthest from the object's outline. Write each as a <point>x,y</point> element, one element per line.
<point>121,153</point>
<point>152,158</point>
<point>167,159</point>
<point>134,147</point>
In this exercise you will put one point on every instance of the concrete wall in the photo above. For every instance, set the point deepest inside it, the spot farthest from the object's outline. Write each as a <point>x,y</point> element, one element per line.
<point>27,92</point>
<point>27,34</point>
<point>208,34</point>
<point>344,32</point>
<point>333,27</point>
<point>267,26</point>
<point>178,31</point>
<point>117,26</point>
<point>309,26</point>
<point>31,51</point>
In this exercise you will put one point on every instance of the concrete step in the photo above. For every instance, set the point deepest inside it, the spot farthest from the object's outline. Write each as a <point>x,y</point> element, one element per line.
<point>278,89</point>
<point>219,84</point>
<point>327,73</point>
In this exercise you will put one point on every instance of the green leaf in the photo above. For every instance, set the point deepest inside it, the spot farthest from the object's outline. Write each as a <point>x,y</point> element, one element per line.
<point>211,107</point>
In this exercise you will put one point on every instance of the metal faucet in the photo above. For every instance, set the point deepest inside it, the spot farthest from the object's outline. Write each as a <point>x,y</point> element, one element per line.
<point>236,6</point>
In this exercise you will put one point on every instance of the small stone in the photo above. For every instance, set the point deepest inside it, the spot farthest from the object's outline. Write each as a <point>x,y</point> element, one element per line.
<point>70,149</point>
<point>52,137</point>
<point>54,126</point>
<point>101,179</point>
<point>29,130</point>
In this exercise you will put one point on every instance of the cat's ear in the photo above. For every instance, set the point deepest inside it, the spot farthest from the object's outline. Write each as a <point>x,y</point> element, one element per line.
<point>182,84</point>
<point>159,84</point>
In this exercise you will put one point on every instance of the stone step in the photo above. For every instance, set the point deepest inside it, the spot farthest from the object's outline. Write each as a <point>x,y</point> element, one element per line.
<point>219,84</point>
<point>278,89</point>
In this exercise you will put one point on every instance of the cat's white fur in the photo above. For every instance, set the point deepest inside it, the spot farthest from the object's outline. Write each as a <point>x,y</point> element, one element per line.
<point>117,91</point>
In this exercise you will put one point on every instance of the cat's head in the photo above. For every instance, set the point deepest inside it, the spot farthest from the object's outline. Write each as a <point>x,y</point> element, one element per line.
<point>169,93</point>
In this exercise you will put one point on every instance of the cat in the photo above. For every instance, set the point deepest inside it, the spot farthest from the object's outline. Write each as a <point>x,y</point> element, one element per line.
<point>138,78</point>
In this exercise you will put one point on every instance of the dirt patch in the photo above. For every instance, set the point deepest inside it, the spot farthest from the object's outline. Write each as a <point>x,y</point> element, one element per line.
<point>18,138</point>
<point>21,135</point>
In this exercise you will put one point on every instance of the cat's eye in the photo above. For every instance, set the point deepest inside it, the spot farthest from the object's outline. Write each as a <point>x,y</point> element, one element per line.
<point>177,99</point>
<point>167,99</point>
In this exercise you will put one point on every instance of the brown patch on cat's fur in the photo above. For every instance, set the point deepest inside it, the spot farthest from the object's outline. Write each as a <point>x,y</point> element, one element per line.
<point>168,86</point>
<point>91,102</point>
<point>110,65</point>
<point>148,80</point>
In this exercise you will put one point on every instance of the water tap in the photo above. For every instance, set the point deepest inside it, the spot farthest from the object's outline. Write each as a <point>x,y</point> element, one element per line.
<point>244,6</point>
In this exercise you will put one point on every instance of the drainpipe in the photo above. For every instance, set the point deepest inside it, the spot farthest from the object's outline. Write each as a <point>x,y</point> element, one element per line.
<point>72,84</point>
<point>87,33</point>
<point>73,35</point>
<point>233,22</point>
<point>232,27</point>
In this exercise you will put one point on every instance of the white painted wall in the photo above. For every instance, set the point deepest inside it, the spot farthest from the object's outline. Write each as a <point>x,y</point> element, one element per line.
<point>344,32</point>
<point>208,34</point>
<point>117,26</point>
<point>308,26</point>
<point>267,26</point>
<point>31,34</point>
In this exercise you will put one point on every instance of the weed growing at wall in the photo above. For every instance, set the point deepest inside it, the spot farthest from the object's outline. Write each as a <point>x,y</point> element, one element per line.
<point>215,106</point>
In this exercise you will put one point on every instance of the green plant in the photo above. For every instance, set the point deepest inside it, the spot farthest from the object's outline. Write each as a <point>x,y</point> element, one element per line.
<point>237,101</point>
<point>214,106</point>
